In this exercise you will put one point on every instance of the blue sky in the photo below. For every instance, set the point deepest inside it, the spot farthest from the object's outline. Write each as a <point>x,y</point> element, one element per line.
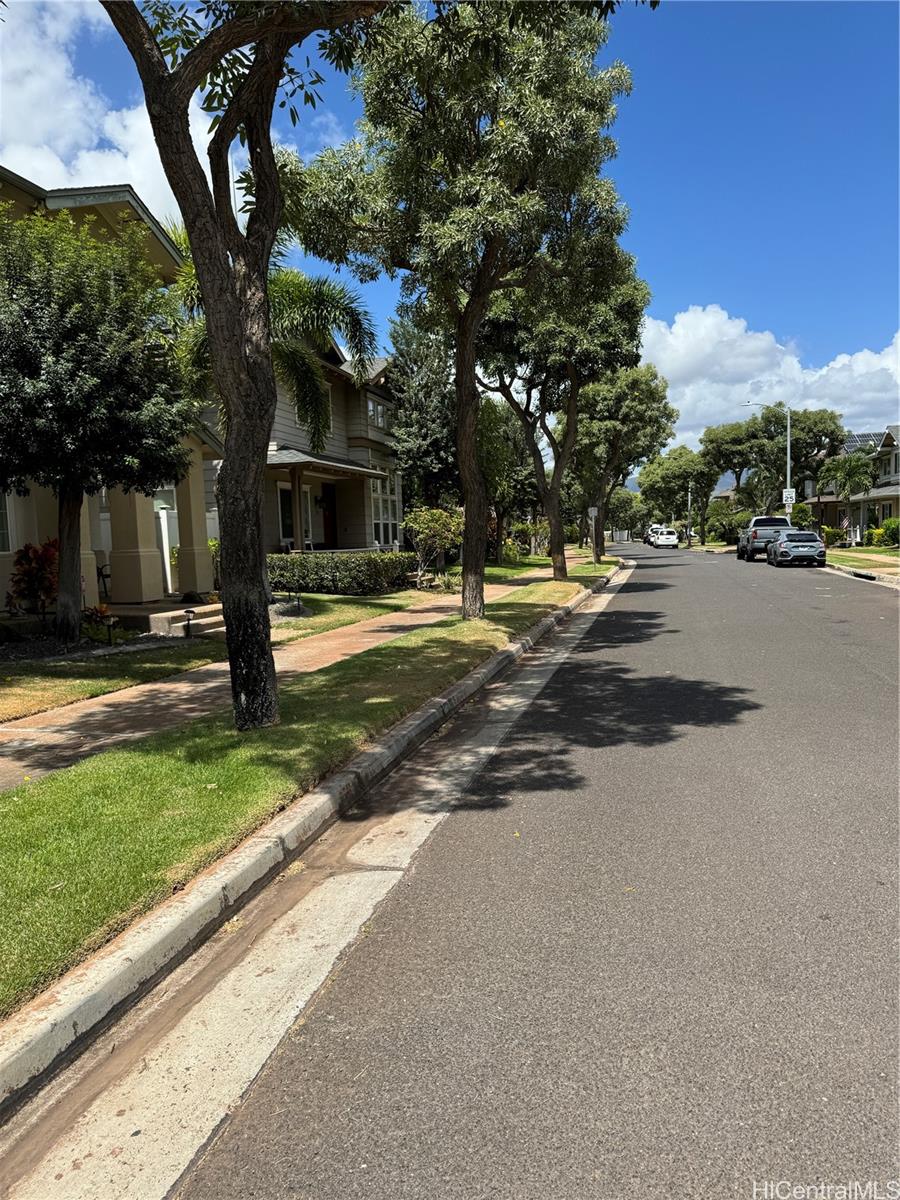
<point>758,157</point>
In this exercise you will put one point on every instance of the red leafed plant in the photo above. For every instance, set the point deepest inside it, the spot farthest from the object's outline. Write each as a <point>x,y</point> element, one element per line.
<point>35,575</point>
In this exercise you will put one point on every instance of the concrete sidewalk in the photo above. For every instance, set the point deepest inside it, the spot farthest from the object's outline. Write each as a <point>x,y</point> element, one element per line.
<point>35,745</point>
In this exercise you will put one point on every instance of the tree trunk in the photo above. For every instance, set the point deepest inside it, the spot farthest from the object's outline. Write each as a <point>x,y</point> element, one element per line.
<point>582,530</point>
<point>470,473</point>
<point>499,515</point>
<point>557,535</point>
<point>246,384</point>
<point>68,598</point>
<point>599,535</point>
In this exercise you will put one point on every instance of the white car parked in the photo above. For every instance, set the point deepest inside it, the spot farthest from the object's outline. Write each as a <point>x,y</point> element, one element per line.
<point>665,537</point>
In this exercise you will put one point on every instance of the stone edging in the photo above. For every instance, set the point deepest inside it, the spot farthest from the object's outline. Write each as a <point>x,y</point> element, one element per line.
<point>60,1022</point>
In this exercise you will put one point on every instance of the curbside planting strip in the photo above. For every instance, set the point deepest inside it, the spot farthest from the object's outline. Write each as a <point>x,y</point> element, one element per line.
<point>869,576</point>
<point>56,1026</point>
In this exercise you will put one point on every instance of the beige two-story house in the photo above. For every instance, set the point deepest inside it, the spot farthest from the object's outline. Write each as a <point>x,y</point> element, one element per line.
<point>873,507</point>
<point>347,498</point>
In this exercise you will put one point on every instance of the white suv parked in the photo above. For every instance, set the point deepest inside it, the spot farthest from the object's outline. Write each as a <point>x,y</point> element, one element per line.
<point>665,537</point>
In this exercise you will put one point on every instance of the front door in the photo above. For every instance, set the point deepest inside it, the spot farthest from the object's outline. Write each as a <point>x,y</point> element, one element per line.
<point>329,516</point>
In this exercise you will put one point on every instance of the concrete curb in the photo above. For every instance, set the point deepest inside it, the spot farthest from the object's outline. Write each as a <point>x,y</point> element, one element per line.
<point>870,576</point>
<point>59,1023</point>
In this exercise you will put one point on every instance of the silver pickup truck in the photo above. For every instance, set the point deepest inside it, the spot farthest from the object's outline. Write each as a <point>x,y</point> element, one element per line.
<point>754,539</point>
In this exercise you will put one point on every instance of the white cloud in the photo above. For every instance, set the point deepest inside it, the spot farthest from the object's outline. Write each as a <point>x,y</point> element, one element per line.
<point>56,127</point>
<point>715,364</point>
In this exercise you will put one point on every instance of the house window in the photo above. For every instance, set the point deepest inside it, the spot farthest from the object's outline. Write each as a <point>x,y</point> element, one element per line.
<point>5,525</point>
<point>887,510</point>
<point>897,464</point>
<point>377,414</point>
<point>285,513</point>
<point>307,516</point>
<point>386,514</point>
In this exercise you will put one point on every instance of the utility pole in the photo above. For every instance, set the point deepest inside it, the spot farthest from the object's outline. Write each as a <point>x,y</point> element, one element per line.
<point>689,518</point>
<point>788,471</point>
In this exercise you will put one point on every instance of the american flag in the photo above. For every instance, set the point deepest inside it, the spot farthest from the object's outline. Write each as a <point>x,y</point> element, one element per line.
<point>845,524</point>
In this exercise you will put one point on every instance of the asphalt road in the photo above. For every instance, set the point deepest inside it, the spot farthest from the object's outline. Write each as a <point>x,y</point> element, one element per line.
<point>654,952</point>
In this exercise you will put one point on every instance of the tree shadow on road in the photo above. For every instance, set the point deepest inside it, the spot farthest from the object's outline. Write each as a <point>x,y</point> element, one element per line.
<point>593,703</point>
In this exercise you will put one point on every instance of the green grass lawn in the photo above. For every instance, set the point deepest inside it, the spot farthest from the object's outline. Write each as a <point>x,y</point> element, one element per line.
<point>87,849</point>
<point>881,551</point>
<point>332,612</point>
<point>509,572</point>
<point>585,571</point>
<point>890,564</point>
<point>35,686</point>
<point>32,687</point>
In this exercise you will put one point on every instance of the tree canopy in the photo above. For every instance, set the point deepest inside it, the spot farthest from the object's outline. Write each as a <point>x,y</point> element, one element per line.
<point>87,379</point>
<point>480,120</point>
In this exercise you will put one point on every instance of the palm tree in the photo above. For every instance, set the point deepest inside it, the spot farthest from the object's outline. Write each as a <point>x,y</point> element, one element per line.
<point>759,491</point>
<point>306,314</point>
<point>850,473</point>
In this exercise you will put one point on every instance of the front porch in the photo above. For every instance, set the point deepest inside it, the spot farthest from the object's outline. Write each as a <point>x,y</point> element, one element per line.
<point>866,510</point>
<point>340,505</point>
<point>127,539</point>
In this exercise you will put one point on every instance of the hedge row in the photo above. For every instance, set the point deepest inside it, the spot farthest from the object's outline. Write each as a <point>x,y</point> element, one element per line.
<point>340,574</point>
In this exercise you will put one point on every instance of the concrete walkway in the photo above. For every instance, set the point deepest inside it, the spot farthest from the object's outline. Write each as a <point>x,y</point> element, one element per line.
<point>35,745</point>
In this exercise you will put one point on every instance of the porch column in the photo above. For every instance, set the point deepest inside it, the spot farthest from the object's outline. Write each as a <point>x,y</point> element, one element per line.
<point>134,563</point>
<point>195,572</point>
<point>297,507</point>
<point>88,557</point>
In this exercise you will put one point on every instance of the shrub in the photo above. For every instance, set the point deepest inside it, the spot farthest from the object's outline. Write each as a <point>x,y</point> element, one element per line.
<point>831,534</point>
<point>340,574</point>
<point>433,531</point>
<point>511,551</point>
<point>890,529</point>
<point>35,576</point>
<point>520,532</point>
<point>215,555</point>
<point>801,515</point>
<point>874,537</point>
<point>570,533</point>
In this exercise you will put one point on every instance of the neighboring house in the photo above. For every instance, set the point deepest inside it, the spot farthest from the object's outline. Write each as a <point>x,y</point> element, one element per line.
<point>348,497</point>
<point>882,500</point>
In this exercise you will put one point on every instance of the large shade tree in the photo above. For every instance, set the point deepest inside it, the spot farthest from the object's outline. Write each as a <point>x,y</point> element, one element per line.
<point>626,418</point>
<point>239,60</point>
<point>817,434</point>
<point>88,395</point>
<point>544,343</point>
<point>678,480</point>
<point>480,119</point>
<point>420,376</point>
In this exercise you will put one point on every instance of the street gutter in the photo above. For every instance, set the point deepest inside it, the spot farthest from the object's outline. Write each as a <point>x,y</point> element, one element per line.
<point>40,1039</point>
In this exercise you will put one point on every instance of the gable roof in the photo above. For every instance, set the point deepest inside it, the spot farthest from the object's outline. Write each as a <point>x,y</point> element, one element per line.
<point>107,200</point>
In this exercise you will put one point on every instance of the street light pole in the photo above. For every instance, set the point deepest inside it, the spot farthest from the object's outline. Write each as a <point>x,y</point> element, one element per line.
<point>689,518</point>
<point>787,473</point>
